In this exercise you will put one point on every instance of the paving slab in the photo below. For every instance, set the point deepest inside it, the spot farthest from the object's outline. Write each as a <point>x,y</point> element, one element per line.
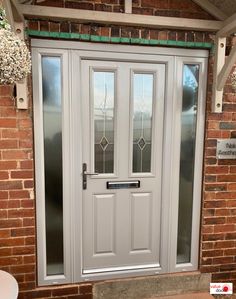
<point>154,286</point>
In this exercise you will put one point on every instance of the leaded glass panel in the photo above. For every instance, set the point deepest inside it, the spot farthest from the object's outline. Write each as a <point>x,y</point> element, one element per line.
<point>142,121</point>
<point>104,94</point>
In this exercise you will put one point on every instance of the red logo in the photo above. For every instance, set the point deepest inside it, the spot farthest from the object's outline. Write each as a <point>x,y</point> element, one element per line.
<point>225,288</point>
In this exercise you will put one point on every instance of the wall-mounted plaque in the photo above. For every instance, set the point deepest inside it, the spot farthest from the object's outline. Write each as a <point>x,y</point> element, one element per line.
<point>226,149</point>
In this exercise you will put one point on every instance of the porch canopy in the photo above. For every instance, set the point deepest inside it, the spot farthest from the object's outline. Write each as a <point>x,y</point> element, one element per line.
<point>224,26</point>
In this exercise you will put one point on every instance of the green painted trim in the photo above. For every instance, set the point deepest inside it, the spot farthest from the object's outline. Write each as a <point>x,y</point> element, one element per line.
<point>119,40</point>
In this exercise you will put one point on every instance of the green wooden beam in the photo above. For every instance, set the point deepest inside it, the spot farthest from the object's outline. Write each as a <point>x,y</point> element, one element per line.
<point>119,40</point>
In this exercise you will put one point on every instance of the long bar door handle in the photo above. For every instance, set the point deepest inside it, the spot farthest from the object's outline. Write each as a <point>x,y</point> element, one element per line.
<point>85,174</point>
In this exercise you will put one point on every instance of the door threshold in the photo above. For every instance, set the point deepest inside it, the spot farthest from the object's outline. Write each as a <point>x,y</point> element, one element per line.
<point>123,268</point>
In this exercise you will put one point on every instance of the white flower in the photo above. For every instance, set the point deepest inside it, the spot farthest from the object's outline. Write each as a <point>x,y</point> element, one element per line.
<point>15,60</point>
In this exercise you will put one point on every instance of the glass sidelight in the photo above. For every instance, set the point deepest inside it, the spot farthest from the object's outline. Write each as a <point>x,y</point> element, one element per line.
<point>187,160</point>
<point>52,130</point>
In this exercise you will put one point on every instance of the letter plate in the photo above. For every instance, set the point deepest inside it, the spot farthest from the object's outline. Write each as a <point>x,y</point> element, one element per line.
<point>123,185</point>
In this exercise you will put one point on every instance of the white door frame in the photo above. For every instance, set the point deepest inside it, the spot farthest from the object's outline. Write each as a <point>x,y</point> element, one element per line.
<point>78,51</point>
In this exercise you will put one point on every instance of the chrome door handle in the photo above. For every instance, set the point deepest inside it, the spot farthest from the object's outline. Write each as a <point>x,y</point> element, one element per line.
<point>85,173</point>
<point>90,173</point>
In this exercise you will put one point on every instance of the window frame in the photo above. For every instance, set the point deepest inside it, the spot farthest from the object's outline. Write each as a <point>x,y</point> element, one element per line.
<point>37,54</point>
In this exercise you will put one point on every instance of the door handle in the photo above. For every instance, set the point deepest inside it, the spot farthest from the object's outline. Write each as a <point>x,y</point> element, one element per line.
<point>85,174</point>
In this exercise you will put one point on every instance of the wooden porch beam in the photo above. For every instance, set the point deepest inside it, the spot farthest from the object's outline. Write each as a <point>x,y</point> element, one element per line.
<point>77,15</point>
<point>228,27</point>
<point>217,95</point>
<point>212,9</point>
<point>224,73</point>
<point>18,16</point>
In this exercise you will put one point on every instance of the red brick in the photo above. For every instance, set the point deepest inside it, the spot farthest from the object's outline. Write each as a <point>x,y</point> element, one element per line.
<point>30,241</point>
<point>33,25</point>
<point>163,4</point>
<point>9,242</point>
<point>28,184</point>
<point>30,259</point>
<point>27,203</point>
<point>28,222</point>
<point>7,123</point>
<point>23,174</point>
<point>85,289</point>
<point>10,185</point>
<point>80,5</point>
<point>8,261</point>
<point>4,175</point>
<point>214,220</point>
<point>28,164</point>
<point>7,112</point>
<point>26,144</point>
<point>224,228</point>
<point>3,195</point>
<point>24,231</point>
<point>20,213</point>
<point>212,253</point>
<point>232,186</point>
<point>7,165</point>
<point>223,260</point>
<point>13,204</point>
<point>22,269</point>
<point>53,3</point>
<point>14,154</point>
<point>19,194</point>
<point>224,244</point>
<point>5,233</point>
<point>23,250</point>
<point>217,169</point>
<point>7,251</point>
<point>6,90</point>
<point>65,291</point>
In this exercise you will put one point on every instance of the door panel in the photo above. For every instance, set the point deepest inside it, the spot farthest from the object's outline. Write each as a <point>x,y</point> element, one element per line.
<point>141,221</point>
<point>123,107</point>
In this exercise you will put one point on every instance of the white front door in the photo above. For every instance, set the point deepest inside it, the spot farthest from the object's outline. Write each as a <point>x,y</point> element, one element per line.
<point>122,122</point>
<point>135,116</point>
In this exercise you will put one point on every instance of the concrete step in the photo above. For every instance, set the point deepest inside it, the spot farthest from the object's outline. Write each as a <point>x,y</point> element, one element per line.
<point>153,286</point>
<point>186,296</point>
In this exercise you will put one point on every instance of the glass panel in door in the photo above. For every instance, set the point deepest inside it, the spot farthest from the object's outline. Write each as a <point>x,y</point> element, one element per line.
<point>142,121</point>
<point>103,103</point>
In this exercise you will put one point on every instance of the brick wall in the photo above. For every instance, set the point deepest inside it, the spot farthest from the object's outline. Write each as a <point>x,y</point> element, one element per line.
<point>218,238</point>
<point>17,212</point>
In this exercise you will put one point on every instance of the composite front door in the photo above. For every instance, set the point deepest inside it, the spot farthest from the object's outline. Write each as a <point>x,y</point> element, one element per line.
<point>118,157</point>
<point>123,112</point>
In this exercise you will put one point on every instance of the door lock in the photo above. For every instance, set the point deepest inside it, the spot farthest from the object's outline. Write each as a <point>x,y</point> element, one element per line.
<point>85,174</point>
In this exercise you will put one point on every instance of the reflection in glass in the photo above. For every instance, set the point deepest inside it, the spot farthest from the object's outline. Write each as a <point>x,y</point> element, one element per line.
<point>187,155</point>
<point>142,122</point>
<point>52,123</point>
<point>104,93</point>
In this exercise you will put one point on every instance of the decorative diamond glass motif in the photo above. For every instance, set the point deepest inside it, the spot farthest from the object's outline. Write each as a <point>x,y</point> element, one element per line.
<point>141,143</point>
<point>142,121</point>
<point>104,143</point>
